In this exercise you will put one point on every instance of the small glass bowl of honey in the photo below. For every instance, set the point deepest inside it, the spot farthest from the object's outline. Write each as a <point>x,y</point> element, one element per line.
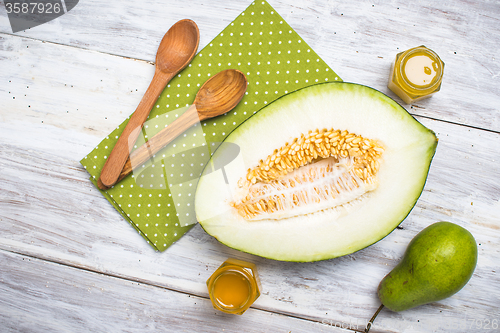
<point>234,286</point>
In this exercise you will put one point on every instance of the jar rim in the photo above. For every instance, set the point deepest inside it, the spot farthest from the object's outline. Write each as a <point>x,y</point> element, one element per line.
<point>245,275</point>
<point>436,81</point>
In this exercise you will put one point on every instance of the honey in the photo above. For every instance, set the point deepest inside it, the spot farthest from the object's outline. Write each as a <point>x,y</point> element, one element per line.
<point>234,286</point>
<point>416,74</point>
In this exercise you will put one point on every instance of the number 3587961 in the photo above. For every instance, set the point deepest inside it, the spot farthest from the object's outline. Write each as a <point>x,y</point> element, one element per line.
<point>33,8</point>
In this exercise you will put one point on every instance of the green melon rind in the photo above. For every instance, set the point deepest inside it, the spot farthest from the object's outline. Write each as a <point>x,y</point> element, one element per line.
<point>307,238</point>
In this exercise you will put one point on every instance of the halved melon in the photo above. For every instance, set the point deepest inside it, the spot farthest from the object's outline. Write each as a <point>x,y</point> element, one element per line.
<point>321,173</point>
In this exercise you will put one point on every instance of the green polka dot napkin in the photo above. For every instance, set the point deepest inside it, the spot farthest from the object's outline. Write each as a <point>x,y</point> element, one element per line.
<point>158,198</point>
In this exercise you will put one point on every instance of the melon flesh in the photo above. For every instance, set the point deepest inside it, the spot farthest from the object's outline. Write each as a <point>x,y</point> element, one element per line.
<point>328,229</point>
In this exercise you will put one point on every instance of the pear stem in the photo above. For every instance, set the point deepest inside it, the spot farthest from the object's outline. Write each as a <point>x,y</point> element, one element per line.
<point>370,323</point>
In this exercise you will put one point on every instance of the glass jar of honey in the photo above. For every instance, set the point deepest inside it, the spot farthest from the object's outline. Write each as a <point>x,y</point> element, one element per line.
<point>234,286</point>
<point>417,73</point>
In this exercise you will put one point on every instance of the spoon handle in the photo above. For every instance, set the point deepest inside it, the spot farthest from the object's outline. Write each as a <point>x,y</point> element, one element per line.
<point>116,160</point>
<point>157,142</point>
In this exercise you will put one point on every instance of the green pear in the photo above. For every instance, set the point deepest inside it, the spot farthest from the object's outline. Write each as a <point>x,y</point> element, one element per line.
<point>438,262</point>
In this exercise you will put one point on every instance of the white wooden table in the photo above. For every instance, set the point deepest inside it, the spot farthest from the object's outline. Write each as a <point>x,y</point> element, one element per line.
<point>70,263</point>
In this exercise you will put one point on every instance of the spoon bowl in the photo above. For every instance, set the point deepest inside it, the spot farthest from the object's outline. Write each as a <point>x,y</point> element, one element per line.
<point>220,93</point>
<point>177,48</point>
<point>217,96</point>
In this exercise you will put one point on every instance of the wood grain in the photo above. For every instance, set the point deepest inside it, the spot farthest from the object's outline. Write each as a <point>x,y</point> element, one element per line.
<point>63,90</point>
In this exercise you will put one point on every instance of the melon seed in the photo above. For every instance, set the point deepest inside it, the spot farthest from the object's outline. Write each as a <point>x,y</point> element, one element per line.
<point>280,183</point>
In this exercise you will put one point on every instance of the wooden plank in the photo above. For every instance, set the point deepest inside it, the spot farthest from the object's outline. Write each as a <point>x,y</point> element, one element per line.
<point>358,39</point>
<point>129,28</point>
<point>49,84</point>
<point>51,211</point>
<point>40,296</point>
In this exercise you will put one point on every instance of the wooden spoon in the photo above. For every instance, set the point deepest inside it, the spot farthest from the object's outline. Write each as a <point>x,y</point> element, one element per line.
<point>176,50</point>
<point>219,95</point>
